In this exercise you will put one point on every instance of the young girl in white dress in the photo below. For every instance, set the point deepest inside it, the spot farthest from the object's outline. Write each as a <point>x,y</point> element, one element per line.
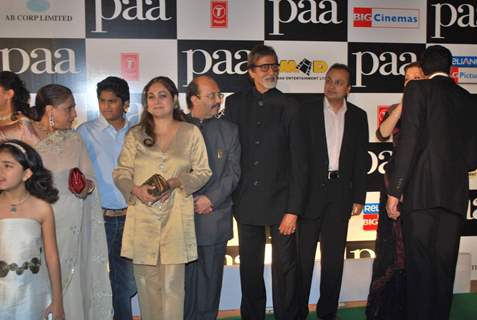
<point>30,276</point>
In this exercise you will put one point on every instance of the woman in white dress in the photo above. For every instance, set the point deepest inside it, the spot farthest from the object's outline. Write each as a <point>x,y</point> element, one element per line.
<point>27,237</point>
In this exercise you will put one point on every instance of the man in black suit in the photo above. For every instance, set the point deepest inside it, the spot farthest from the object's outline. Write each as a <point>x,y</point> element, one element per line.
<point>430,176</point>
<point>338,144</point>
<point>272,187</point>
<point>213,202</point>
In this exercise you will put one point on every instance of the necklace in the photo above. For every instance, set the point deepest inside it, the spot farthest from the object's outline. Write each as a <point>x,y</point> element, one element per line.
<point>13,206</point>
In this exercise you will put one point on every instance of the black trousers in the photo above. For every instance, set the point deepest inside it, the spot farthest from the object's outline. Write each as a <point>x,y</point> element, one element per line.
<point>330,229</point>
<point>203,283</point>
<point>431,238</point>
<point>252,241</point>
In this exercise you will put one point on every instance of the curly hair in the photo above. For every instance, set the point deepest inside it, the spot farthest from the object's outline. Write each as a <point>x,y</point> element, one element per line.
<point>40,184</point>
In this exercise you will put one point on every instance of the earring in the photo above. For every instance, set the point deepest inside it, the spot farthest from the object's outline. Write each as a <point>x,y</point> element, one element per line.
<point>51,121</point>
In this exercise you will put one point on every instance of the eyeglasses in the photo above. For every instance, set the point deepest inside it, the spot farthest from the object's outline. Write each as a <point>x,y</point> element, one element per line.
<point>214,95</point>
<point>267,66</point>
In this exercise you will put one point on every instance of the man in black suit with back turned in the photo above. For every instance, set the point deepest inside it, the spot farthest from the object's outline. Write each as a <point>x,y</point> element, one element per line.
<point>272,187</point>
<point>430,175</point>
<point>338,144</point>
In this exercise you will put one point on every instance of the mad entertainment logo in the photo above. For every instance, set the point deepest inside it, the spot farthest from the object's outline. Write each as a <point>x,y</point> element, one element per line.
<point>38,6</point>
<point>370,216</point>
<point>464,69</point>
<point>385,18</point>
<point>304,69</point>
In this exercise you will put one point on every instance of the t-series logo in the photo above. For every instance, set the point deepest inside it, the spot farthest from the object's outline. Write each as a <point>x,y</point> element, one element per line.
<point>380,67</point>
<point>40,62</point>
<point>225,61</point>
<point>385,18</point>
<point>218,13</point>
<point>323,19</point>
<point>131,18</point>
<point>452,23</point>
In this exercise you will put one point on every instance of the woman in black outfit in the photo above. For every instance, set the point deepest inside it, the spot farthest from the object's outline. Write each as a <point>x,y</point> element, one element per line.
<point>386,300</point>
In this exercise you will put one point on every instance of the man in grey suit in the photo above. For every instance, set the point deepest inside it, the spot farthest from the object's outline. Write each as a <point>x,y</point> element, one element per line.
<point>212,203</point>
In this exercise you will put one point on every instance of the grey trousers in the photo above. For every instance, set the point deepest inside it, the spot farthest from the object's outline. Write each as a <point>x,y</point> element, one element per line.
<point>160,290</point>
<point>203,283</point>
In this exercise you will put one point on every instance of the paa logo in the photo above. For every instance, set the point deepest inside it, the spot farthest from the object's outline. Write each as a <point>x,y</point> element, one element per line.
<point>464,69</point>
<point>38,5</point>
<point>385,18</point>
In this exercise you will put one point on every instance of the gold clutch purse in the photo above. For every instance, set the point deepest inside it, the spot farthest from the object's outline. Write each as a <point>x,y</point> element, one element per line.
<point>159,183</point>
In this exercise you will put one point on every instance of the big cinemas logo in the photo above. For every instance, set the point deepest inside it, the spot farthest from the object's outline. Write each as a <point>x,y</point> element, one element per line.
<point>379,67</point>
<point>452,21</point>
<point>385,18</point>
<point>43,61</point>
<point>306,20</point>
<point>218,13</point>
<point>470,225</point>
<point>304,69</point>
<point>370,216</point>
<point>225,61</point>
<point>464,69</point>
<point>147,19</point>
<point>379,156</point>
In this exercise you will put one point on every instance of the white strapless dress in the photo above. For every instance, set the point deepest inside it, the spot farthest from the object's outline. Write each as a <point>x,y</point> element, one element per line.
<point>24,282</point>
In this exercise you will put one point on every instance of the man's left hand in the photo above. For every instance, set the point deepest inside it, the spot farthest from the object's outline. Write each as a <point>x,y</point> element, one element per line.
<point>202,205</point>
<point>357,209</point>
<point>288,224</point>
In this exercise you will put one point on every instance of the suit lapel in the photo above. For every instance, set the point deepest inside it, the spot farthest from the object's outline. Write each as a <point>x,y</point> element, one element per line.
<point>322,130</point>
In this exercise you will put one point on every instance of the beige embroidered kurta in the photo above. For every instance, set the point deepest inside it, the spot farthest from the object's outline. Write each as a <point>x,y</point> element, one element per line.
<point>163,229</point>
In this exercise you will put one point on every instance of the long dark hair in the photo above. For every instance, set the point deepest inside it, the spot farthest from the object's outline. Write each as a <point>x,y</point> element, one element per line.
<point>51,94</point>
<point>147,121</point>
<point>10,81</point>
<point>40,184</point>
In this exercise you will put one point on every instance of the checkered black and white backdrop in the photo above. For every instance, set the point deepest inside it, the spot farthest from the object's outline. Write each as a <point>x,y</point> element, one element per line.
<point>77,43</point>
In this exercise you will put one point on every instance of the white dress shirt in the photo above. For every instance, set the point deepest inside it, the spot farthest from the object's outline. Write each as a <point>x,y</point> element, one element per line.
<point>334,128</point>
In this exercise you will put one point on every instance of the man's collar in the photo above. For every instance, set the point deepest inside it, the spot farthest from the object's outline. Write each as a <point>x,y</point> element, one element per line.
<point>103,124</point>
<point>327,105</point>
<point>196,121</point>
<point>438,74</point>
<point>258,94</point>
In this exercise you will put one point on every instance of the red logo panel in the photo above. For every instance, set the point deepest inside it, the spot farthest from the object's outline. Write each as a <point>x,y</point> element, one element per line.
<point>218,14</point>
<point>362,17</point>
<point>130,66</point>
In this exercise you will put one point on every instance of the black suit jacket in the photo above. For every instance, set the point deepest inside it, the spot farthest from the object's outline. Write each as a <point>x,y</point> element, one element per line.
<point>431,159</point>
<point>353,156</point>
<point>223,150</point>
<point>273,158</point>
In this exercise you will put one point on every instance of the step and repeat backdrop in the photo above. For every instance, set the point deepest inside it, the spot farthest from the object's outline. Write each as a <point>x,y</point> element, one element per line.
<point>77,43</point>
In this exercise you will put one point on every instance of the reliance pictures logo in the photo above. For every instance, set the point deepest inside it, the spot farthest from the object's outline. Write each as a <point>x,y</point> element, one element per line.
<point>464,69</point>
<point>370,216</point>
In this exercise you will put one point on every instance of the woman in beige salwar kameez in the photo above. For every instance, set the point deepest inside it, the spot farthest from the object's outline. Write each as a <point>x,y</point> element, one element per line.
<point>159,234</point>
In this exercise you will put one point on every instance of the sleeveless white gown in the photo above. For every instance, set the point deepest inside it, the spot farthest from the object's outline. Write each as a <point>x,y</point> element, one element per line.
<point>24,282</point>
